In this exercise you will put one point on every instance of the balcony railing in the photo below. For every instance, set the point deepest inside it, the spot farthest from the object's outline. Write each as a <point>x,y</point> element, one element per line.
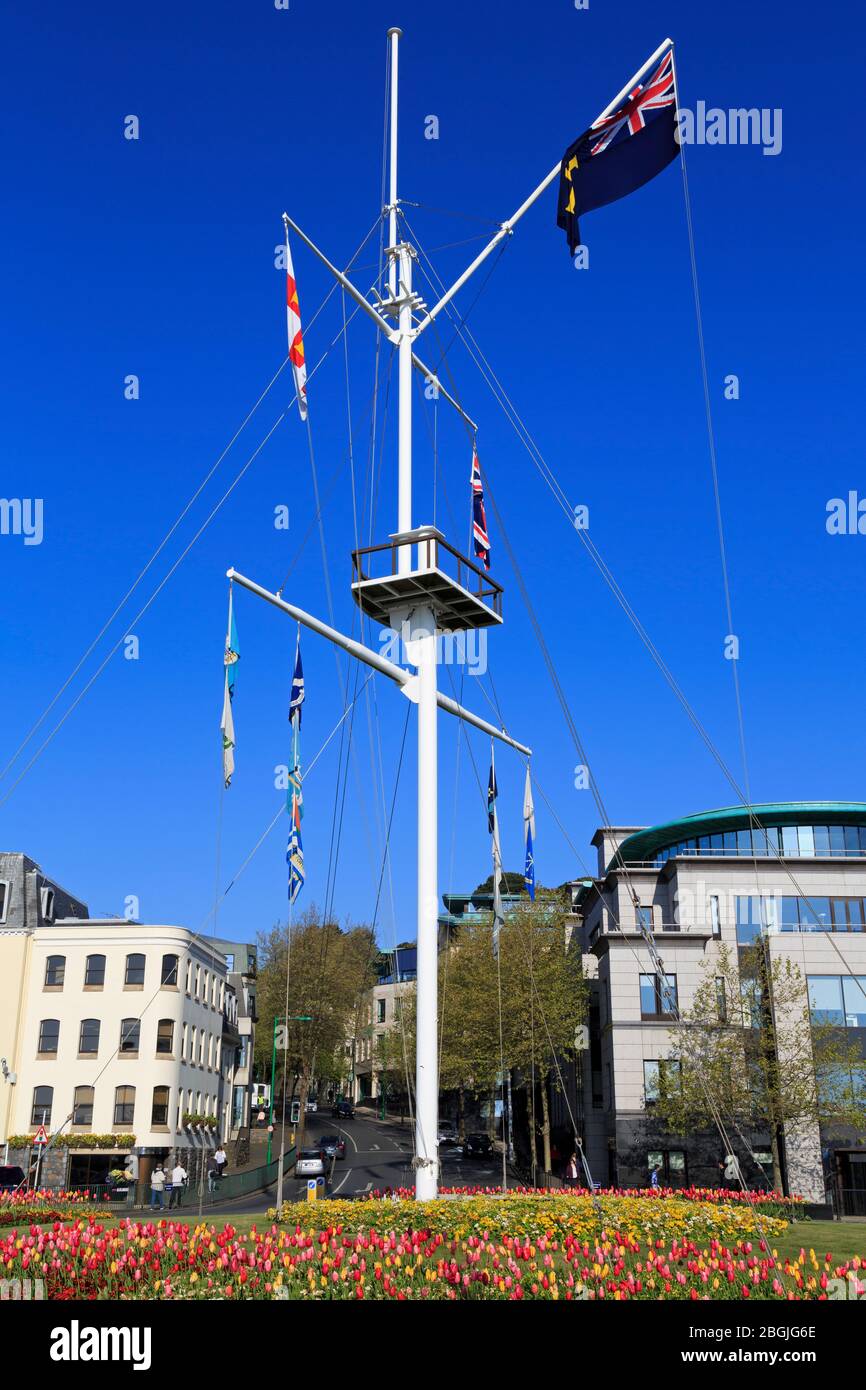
<point>428,550</point>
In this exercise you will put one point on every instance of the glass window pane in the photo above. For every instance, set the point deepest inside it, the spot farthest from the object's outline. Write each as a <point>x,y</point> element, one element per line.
<point>852,840</point>
<point>825,999</point>
<point>655,1159</point>
<point>648,995</point>
<point>815,914</point>
<point>677,1161</point>
<point>854,994</point>
<point>651,1081</point>
<point>790,843</point>
<point>771,840</point>
<point>837,839</point>
<point>729,842</point>
<point>744,842</point>
<point>855,914</point>
<point>789,913</point>
<point>703,843</point>
<point>807,840</point>
<point>822,839</point>
<point>717,843</point>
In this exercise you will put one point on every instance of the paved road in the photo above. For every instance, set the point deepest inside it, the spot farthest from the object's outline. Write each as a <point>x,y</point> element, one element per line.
<point>378,1155</point>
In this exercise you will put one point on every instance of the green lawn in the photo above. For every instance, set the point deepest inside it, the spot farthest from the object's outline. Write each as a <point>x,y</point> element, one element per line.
<point>843,1239</point>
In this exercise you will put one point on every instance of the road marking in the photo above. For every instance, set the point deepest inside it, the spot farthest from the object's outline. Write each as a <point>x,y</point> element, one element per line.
<point>336,1189</point>
<point>369,1187</point>
<point>374,1147</point>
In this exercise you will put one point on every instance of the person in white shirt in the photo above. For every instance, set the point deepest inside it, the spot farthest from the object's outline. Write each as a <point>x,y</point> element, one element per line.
<point>157,1187</point>
<point>178,1182</point>
<point>220,1158</point>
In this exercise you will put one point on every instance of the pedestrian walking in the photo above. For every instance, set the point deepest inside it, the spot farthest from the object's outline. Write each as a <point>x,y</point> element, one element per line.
<point>213,1177</point>
<point>157,1188</point>
<point>178,1183</point>
<point>260,1119</point>
<point>572,1171</point>
<point>220,1159</point>
<point>654,1178</point>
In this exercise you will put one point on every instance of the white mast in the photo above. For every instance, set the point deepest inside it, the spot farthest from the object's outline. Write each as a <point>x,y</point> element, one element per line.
<point>422,654</point>
<point>414,597</point>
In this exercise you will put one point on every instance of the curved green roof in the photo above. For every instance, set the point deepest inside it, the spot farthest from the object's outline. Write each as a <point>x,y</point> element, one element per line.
<point>645,844</point>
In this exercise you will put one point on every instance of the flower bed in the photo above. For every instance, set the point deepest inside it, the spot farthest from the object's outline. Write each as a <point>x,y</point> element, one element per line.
<point>519,1248</point>
<point>659,1216</point>
<point>172,1260</point>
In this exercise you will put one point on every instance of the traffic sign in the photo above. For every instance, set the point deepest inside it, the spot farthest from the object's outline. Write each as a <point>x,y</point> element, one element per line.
<point>312,1189</point>
<point>40,1137</point>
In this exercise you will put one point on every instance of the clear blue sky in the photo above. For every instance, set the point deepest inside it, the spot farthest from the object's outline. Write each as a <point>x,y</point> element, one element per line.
<point>156,257</point>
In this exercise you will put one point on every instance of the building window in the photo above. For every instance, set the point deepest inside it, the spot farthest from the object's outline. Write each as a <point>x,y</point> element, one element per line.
<point>42,1100</point>
<point>165,1035</point>
<point>4,898</point>
<point>49,1035</point>
<point>124,1105</point>
<point>839,1001</point>
<point>644,917</point>
<point>82,1105</point>
<point>721,999</point>
<point>670,1164</point>
<point>168,975</point>
<point>201,1048</point>
<point>159,1110</point>
<point>130,1035</point>
<point>854,995</point>
<point>658,996</point>
<point>94,972</point>
<point>183,1038</point>
<point>88,1037</point>
<point>660,1078</point>
<point>715,915</point>
<point>134,970</point>
<point>55,972</point>
<point>380,1010</point>
<point>48,904</point>
<point>188,975</point>
<point>197,981</point>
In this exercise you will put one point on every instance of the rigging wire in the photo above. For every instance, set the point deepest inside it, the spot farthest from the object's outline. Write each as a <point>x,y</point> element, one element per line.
<point>98,672</point>
<point>169,533</point>
<point>573,730</point>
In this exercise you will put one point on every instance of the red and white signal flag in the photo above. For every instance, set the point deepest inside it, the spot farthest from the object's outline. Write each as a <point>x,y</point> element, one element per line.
<point>296,336</point>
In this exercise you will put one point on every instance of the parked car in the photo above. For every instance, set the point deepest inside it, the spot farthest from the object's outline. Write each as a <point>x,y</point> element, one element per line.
<point>312,1107</point>
<point>478,1146</point>
<point>448,1133</point>
<point>343,1110</point>
<point>10,1177</point>
<point>310,1163</point>
<point>333,1145</point>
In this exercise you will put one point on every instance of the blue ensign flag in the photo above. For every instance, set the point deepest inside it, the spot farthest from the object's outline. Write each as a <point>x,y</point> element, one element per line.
<point>622,150</point>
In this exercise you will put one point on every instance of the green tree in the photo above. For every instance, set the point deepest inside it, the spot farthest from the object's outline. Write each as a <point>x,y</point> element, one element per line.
<point>750,1044</point>
<point>526,1012</point>
<point>324,968</point>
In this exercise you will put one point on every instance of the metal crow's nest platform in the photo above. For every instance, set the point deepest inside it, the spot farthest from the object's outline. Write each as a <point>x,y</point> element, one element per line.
<point>460,594</point>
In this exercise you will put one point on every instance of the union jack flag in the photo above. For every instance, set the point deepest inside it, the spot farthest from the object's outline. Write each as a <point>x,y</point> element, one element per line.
<point>657,93</point>
<point>479,520</point>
